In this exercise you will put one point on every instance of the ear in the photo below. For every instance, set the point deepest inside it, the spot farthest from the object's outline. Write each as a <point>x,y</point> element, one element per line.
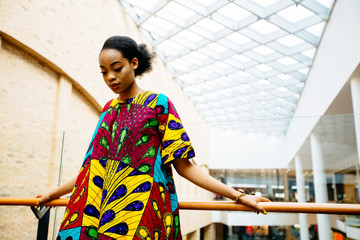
<point>134,63</point>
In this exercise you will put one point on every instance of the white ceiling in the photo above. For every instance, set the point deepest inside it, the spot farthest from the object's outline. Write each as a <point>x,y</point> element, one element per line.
<point>239,61</point>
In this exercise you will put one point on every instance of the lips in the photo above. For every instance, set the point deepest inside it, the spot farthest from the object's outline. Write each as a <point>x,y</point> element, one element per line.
<point>114,85</point>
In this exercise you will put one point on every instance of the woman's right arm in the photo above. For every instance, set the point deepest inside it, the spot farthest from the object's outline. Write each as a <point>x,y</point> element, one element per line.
<point>57,192</point>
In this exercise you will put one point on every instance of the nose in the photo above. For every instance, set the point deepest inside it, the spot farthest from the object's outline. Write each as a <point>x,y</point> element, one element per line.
<point>111,77</point>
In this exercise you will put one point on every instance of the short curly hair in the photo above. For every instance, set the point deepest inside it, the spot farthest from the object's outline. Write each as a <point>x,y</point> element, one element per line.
<point>130,49</point>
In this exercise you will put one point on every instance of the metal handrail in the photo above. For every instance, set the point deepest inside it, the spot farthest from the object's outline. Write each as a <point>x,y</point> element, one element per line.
<point>288,207</point>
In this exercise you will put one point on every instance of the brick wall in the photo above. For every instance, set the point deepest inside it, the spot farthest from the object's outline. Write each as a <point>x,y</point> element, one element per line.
<point>30,138</point>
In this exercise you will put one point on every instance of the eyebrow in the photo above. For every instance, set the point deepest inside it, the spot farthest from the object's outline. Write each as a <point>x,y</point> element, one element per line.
<point>112,64</point>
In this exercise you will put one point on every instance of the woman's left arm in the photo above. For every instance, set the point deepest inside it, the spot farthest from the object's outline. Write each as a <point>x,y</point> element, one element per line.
<point>195,175</point>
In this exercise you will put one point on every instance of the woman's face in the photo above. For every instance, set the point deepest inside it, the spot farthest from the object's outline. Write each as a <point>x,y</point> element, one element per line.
<point>117,71</point>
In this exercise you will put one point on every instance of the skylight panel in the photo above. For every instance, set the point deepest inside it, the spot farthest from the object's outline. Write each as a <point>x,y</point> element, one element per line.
<point>241,58</point>
<point>177,10</point>
<point>217,47</point>
<point>264,81</point>
<point>238,38</point>
<point>215,104</point>
<point>290,40</point>
<point>218,112</point>
<point>265,3</point>
<point>300,85</point>
<point>263,50</point>
<point>263,27</point>
<point>193,89</point>
<point>224,81</point>
<point>202,106</point>
<point>234,12</point>
<point>284,76</point>
<point>154,35</point>
<point>158,25</point>
<point>214,68</point>
<point>187,39</point>
<point>232,116</point>
<point>208,115</point>
<point>309,53</point>
<point>241,88</point>
<point>222,118</point>
<point>206,3</point>
<point>179,64</point>
<point>316,29</point>
<point>221,65</point>
<point>326,3</point>
<point>200,74</point>
<point>230,102</point>
<point>210,25</point>
<point>304,71</point>
<point>295,13</point>
<point>245,98</point>
<point>296,96</point>
<point>282,89</point>
<point>139,11</point>
<point>188,78</point>
<point>183,41</point>
<point>207,85</point>
<point>263,67</point>
<point>198,55</point>
<point>210,95</point>
<point>209,71</point>
<point>243,74</point>
<point>226,92</point>
<point>286,61</point>
<point>190,36</point>
<point>143,4</point>
<point>192,59</point>
<point>201,99</point>
<point>170,47</point>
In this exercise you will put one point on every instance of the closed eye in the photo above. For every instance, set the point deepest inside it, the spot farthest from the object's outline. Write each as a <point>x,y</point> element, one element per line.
<point>103,73</point>
<point>118,69</point>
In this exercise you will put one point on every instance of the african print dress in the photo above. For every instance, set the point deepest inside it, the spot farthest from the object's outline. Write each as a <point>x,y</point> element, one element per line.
<point>125,188</point>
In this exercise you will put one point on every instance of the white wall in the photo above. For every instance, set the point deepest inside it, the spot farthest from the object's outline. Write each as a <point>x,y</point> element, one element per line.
<point>234,149</point>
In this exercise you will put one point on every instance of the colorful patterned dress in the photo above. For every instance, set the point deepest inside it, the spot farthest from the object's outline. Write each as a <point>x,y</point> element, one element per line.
<point>125,188</point>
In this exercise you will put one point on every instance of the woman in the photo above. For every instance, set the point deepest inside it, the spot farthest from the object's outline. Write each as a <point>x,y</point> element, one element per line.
<point>125,187</point>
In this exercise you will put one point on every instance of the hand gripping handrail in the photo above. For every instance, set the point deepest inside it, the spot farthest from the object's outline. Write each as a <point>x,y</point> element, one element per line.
<point>288,207</point>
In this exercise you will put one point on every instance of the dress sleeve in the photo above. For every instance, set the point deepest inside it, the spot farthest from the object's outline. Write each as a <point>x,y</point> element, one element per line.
<point>174,141</point>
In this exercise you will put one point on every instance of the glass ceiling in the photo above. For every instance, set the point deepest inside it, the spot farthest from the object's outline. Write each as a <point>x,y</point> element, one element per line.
<point>242,63</point>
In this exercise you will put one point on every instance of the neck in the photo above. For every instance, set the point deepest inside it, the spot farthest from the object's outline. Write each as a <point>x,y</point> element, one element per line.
<point>132,91</point>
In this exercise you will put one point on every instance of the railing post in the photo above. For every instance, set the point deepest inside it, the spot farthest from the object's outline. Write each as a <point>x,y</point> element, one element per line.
<point>43,226</point>
<point>43,214</point>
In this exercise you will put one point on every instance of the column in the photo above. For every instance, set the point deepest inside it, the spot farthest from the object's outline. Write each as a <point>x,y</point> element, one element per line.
<point>335,190</point>
<point>320,186</point>
<point>300,186</point>
<point>286,186</point>
<point>355,95</point>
